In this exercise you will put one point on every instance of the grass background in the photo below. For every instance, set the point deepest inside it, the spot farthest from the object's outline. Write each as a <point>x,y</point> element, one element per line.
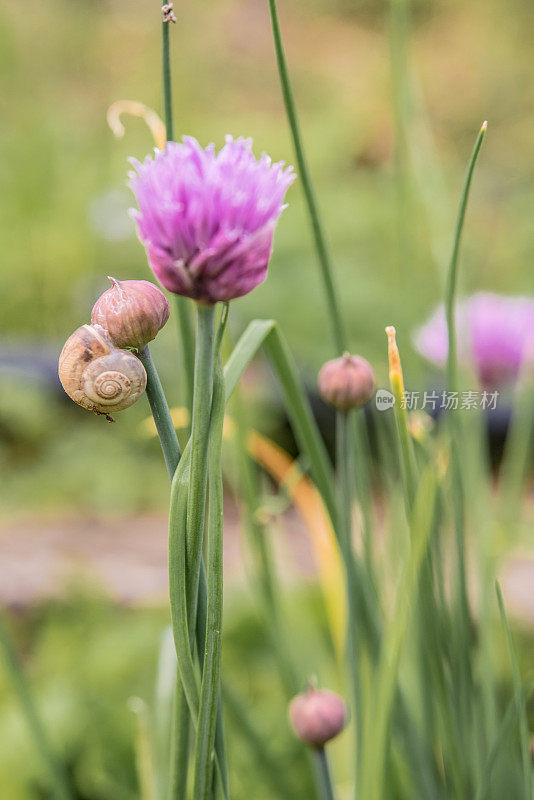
<point>63,220</point>
<point>64,227</point>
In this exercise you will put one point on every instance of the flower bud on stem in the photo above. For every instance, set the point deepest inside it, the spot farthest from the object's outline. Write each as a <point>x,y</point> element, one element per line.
<point>317,716</point>
<point>132,312</point>
<point>346,382</point>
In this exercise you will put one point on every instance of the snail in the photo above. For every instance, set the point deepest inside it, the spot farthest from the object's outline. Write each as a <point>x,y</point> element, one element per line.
<point>97,375</point>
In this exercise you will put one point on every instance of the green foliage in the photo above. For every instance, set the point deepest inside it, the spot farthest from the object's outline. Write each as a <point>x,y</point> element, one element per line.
<point>63,204</point>
<point>431,697</point>
<point>86,657</point>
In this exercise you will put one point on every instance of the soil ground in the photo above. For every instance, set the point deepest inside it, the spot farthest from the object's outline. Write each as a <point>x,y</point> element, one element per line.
<point>127,557</point>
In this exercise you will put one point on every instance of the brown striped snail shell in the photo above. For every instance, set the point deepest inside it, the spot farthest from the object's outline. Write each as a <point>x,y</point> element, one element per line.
<point>97,375</point>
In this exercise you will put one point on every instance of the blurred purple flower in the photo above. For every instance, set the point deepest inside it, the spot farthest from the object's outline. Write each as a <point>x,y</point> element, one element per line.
<point>207,219</point>
<point>494,333</point>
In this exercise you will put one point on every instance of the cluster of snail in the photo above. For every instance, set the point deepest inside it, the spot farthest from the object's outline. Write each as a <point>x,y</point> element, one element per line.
<point>98,366</point>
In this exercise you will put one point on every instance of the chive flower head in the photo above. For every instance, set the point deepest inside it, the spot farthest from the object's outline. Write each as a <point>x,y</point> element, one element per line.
<point>207,219</point>
<point>495,334</point>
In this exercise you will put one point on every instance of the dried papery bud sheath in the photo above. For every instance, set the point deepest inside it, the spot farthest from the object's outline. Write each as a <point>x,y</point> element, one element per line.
<point>347,382</point>
<point>395,369</point>
<point>317,715</point>
<point>132,312</point>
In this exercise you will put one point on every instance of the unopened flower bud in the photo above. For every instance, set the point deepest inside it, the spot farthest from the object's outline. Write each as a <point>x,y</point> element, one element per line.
<point>317,715</point>
<point>132,312</point>
<point>347,382</point>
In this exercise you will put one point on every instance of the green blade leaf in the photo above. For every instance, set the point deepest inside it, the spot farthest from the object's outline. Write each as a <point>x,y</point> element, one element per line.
<point>266,334</point>
<point>209,693</point>
<point>518,696</point>
<point>377,728</point>
<point>498,747</point>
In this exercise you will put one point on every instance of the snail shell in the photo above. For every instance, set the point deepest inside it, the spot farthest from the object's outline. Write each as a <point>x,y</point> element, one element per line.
<point>97,375</point>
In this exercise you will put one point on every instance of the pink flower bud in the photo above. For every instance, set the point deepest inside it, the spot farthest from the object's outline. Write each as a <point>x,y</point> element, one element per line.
<point>347,382</point>
<point>132,312</point>
<point>317,715</point>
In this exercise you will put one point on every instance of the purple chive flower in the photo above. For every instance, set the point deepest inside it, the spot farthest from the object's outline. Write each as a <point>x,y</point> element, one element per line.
<point>207,219</point>
<point>494,333</point>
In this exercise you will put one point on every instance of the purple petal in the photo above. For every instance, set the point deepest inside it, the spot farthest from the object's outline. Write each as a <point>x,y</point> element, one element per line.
<point>207,219</point>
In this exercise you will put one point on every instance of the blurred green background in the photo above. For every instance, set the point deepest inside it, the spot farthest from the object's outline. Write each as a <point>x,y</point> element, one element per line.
<point>389,212</point>
<point>64,223</point>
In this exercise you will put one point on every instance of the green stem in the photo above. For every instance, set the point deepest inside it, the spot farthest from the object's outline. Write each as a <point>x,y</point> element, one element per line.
<point>265,573</point>
<point>426,608</point>
<point>301,417</point>
<point>404,443</point>
<point>169,442</point>
<point>160,412</point>
<point>185,574</point>
<point>180,625</point>
<point>265,333</point>
<point>266,578</point>
<point>199,452</point>
<point>179,761</point>
<point>386,687</point>
<point>346,482</point>
<point>524,736</point>
<point>210,689</point>
<point>183,305</point>
<point>345,475</point>
<point>336,320</point>
<point>181,721</point>
<point>61,787</point>
<point>450,298</point>
<point>167,81</point>
<point>187,341</point>
<point>462,628</point>
<point>220,745</point>
<point>172,454</point>
<point>323,773</point>
<point>502,737</point>
<point>361,449</point>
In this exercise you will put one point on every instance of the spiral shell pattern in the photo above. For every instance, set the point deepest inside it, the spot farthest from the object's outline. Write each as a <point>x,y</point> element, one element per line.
<point>97,375</point>
<point>110,385</point>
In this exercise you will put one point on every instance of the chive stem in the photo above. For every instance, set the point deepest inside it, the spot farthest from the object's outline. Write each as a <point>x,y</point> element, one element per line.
<point>210,689</point>
<point>323,773</point>
<point>462,628</point>
<point>200,429</point>
<point>336,319</point>
<point>160,412</point>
